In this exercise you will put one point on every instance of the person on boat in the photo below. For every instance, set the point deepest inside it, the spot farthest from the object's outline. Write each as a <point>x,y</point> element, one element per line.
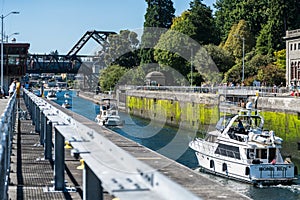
<point>273,162</point>
<point>241,126</point>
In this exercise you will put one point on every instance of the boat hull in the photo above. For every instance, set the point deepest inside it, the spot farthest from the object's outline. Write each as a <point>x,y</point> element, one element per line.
<point>266,174</point>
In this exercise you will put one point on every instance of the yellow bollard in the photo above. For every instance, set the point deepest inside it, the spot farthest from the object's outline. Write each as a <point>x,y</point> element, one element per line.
<point>68,145</point>
<point>81,166</point>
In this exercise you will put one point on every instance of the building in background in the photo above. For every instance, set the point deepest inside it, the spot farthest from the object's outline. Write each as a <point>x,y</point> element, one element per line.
<point>293,58</point>
<point>15,59</point>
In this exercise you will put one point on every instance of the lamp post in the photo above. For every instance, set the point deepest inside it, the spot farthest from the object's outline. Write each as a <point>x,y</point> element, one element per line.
<point>2,40</point>
<point>243,72</point>
<point>191,67</point>
<point>8,36</point>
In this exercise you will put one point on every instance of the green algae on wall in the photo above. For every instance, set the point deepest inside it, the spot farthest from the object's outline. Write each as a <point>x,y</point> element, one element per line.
<point>285,125</point>
<point>193,115</point>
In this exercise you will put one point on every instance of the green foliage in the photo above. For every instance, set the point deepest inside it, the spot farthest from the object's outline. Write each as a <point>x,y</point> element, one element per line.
<point>229,12</point>
<point>267,19</point>
<point>221,57</point>
<point>167,51</point>
<point>123,49</point>
<point>234,74</point>
<point>280,57</point>
<point>110,76</point>
<point>159,14</point>
<point>201,18</point>
<point>183,24</point>
<point>271,74</point>
<point>135,76</point>
<point>253,63</point>
<point>234,42</point>
<point>205,65</point>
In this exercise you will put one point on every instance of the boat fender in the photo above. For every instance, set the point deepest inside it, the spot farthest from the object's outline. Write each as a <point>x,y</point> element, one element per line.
<point>251,155</point>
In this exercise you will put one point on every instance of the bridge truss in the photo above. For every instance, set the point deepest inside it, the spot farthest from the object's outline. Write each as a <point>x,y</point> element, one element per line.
<point>71,63</point>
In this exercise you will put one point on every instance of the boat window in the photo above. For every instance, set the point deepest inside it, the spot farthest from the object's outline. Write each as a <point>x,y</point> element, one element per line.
<point>211,138</point>
<point>229,151</point>
<point>261,153</point>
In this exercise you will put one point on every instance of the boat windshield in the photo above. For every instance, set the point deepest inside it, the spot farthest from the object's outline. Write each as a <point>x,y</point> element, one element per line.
<point>252,122</point>
<point>223,122</point>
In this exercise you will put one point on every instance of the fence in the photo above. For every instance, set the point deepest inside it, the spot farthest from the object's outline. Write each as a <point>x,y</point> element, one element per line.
<point>7,122</point>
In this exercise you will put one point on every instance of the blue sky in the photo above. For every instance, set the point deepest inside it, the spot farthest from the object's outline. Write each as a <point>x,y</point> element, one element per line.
<point>58,24</point>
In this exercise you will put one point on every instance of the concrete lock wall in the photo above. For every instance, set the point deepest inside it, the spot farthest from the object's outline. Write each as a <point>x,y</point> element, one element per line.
<point>192,110</point>
<point>195,110</point>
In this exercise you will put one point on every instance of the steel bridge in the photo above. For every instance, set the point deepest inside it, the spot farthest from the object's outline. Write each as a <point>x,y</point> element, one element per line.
<point>72,62</point>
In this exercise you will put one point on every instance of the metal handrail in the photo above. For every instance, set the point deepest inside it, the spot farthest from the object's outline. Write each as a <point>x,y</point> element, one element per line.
<point>7,122</point>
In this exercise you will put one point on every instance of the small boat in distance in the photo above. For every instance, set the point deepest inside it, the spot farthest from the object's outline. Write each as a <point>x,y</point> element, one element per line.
<point>108,115</point>
<point>66,104</point>
<point>241,149</point>
<point>67,95</point>
<point>51,95</point>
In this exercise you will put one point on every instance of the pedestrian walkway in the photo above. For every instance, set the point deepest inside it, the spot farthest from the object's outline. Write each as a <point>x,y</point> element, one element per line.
<point>31,176</point>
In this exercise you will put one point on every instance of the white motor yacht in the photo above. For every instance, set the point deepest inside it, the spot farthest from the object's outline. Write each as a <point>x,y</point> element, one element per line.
<point>240,148</point>
<point>108,115</point>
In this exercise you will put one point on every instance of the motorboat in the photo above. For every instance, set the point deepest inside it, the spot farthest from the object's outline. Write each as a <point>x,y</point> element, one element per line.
<point>51,95</point>
<point>108,114</point>
<point>67,95</point>
<point>240,148</point>
<point>66,104</point>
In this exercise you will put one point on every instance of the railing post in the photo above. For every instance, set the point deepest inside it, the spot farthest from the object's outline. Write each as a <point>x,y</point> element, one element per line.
<point>59,163</point>
<point>92,187</point>
<point>48,139</point>
<point>33,112</point>
<point>37,119</point>
<point>42,128</point>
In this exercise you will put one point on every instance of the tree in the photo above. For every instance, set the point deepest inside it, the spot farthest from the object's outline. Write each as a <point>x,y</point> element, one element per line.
<point>234,42</point>
<point>271,75</point>
<point>221,57</point>
<point>280,59</point>
<point>229,12</point>
<point>123,49</point>
<point>110,76</point>
<point>271,35</point>
<point>202,20</point>
<point>159,14</point>
<point>170,51</point>
<point>183,24</point>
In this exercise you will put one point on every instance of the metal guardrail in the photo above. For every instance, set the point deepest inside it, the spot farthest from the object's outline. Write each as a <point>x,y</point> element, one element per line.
<point>7,122</point>
<point>106,166</point>
<point>246,90</point>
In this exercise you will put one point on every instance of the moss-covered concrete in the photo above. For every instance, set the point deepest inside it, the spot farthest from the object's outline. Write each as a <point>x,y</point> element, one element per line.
<point>189,114</point>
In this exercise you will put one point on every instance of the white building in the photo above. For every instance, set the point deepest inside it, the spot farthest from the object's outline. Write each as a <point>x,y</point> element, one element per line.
<point>293,57</point>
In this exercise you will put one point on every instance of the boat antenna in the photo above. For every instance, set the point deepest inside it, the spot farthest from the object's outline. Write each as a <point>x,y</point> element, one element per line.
<point>255,106</point>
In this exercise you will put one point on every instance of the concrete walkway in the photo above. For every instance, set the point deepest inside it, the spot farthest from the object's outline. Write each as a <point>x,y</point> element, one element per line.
<point>32,176</point>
